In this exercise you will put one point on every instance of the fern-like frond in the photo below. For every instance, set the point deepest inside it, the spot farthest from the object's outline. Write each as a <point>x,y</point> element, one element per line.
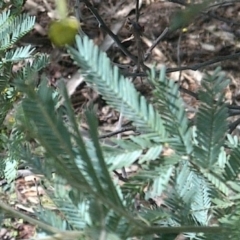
<point>202,200</point>
<point>5,75</point>
<point>5,106</point>
<point>102,170</point>
<point>96,169</point>
<point>14,28</point>
<point>190,196</point>
<point>172,110</point>
<point>232,140</point>
<point>107,220</point>
<point>73,164</point>
<point>211,120</point>
<point>217,181</point>
<point>4,17</point>
<point>155,176</point>
<point>10,171</point>
<point>39,108</point>
<point>123,152</point>
<point>53,219</point>
<point>72,205</point>
<point>232,221</point>
<point>29,72</point>
<point>232,167</point>
<point>10,142</point>
<point>18,54</point>
<point>117,90</point>
<point>77,216</point>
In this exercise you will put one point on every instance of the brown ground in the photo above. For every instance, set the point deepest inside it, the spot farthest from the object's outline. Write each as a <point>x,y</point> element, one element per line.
<point>211,34</point>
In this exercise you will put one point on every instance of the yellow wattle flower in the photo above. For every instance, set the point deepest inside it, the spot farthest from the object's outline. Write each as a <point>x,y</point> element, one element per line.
<point>62,32</point>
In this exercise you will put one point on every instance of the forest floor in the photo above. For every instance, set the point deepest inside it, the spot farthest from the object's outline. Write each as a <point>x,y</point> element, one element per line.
<point>212,34</point>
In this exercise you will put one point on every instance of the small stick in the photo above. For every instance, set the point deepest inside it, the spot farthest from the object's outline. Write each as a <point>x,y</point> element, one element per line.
<point>117,132</point>
<point>155,43</point>
<point>109,32</point>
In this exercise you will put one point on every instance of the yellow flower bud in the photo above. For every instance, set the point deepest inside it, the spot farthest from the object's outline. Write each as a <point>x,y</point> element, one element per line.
<point>63,31</point>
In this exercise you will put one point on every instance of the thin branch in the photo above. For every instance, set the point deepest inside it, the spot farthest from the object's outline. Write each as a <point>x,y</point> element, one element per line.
<point>155,43</point>
<point>197,66</point>
<point>190,93</point>
<point>77,12</point>
<point>117,132</point>
<point>180,2</point>
<point>236,107</point>
<point>137,10</point>
<point>232,126</point>
<point>120,177</point>
<point>119,125</point>
<point>178,56</point>
<point>137,33</point>
<point>193,67</point>
<point>233,111</point>
<point>195,229</point>
<point>222,19</point>
<point>78,15</point>
<point>111,34</point>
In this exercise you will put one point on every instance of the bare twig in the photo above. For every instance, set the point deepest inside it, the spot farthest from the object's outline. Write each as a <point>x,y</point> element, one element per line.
<point>193,67</point>
<point>125,129</point>
<point>111,34</point>
<point>204,64</point>
<point>120,177</point>
<point>232,126</point>
<point>222,19</point>
<point>178,56</point>
<point>155,43</point>
<point>119,125</point>
<point>137,10</point>
<point>180,2</point>
<point>233,110</point>
<point>235,107</point>
<point>136,30</point>
<point>190,93</point>
<point>78,15</point>
<point>137,36</point>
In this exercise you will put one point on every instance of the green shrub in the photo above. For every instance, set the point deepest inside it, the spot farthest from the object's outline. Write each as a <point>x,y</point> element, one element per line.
<point>199,179</point>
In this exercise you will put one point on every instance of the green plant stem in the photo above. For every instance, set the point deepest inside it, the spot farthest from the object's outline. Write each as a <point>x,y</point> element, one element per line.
<point>61,6</point>
<point>193,229</point>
